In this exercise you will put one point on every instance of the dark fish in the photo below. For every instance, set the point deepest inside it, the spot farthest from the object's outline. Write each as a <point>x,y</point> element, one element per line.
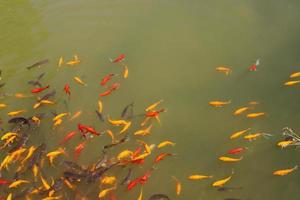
<point>20,143</point>
<point>37,155</point>
<point>19,120</point>
<point>127,178</point>
<point>124,139</point>
<point>40,76</point>
<point>48,95</point>
<point>100,116</point>
<point>1,85</point>
<point>102,162</point>
<point>72,166</point>
<point>71,176</point>
<point>39,63</point>
<point>35,83</point>
<point>95,175</point>
<point>128,111</point>
<point>159,197</point>
<point>225,189</point>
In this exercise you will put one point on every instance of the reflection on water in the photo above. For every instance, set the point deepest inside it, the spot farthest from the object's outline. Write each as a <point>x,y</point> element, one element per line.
<point>172,48</point>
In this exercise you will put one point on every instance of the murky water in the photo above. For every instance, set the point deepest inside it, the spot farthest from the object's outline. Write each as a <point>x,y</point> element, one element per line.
<point>172,49</point>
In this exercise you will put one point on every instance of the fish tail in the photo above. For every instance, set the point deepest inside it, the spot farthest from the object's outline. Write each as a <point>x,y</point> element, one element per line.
<point>296,167</point>
<point>257,62</point>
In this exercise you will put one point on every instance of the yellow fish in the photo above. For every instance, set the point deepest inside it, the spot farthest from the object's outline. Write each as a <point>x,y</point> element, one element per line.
<point>219,103</point>
<point>125,72</point>
<point>44,182</point>
<point>110,133</point>
<point>143,132</point>
<point>117,122</point>
<point>124,154</point>
<point>37,105</point>
<point>284,172</point>
<point>54,154</point>
<point>255,115</point>
<point>5,162</point>
<point>146,146</point>
<point>78,80</point>
<point>165,143</point>
<point>241,110</point>
<point>9,197</point>
<point>17,183</point>
<point>35,170</point>
<point>284,144</point>
<point>14,113</point>
<point>76,115</point>
<point>2,105</point>
<point>16,154</point>
<point>73,62</point>
<point>57,122</point>
<point>60,61</point>
<point>125,128</point>
<point>36,120</point>
<point>198,177</point>
<point>108,180</point>
<point>59,116</point>
<point>29,154</point>
<point>8,135</point>
<point>239,133</point>
<point>153,106</point>
<point>220,183</point>
<point>225,70</point>
<point>290,83</point>
<point>47,102</point>
<point>103,193</point>
<point>178,186</point>
<point>253,136</point>
<point>20,95</point>
<point>100,106</point>
<point>253,103</point>
<point>294,75</point>
<point>141,195</point>
<point>229,159</point>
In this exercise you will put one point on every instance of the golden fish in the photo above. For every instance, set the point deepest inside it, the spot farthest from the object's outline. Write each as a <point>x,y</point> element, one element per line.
<point>47,102</point>
<point>198,177</point>
<point>73,62</point>
<point>59,116</point>
<point>2,105</point>
<point>125,127</point>
<point>221,182</point>
<point>100,106</point>
<point>241,110</point>
<point>165,143</point>
<point>141,195</point>
<point>54,154</point>
<point>153,106</point>
<point>117,122</point>
<point>78,80</point>
<point>290,83</point>
<point>253,103</point>
<point>8,135</point>
<point>37,105</point>
<point>110,133</point>
<point>17,183</point>
<point>35,170</point>
<point>60,61</point>
<point>178,186</point>
<point>219,103</point>
<point>225,70</point>
<point>20,95</point>
<point>294,75</point>
<point>284,144</point>
<point>9,197</point>
<point>5,162</point>
<point>57,122</point>
<point>229,159</point>
<point>14,113</point>
<point>143,132</point>
<point>146,146</point>
<point>124,154</point>
<point>125,72</point>
<point>255,115</point>
<point>104,192</point>
<point>76,115</point>
<point>29,154</point>
<point>36,120</point>
<point>284,172</point>
<point>239,133</point>
<point>108,180</point>
<point>44,182</point>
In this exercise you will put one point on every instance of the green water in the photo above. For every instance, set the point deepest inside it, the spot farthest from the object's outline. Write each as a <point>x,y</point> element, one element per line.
<point>172,49</point>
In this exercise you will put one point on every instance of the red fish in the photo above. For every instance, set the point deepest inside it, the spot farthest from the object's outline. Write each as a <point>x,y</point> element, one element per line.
<point>37,90</point>
<point>133,183</point>
<point>67,89</point>
<point>138,161</point>
<point>119,58</point>
<point>68,137</point>
<point>254,66</point>
<point>146,176</point>
<point>87,129</point>
<point>78,150</point>
<point>107,92</point>
<point>161,156</point>
<point>106,78</point>
<point>4,182</point>
<point>236,150</point>
<point>154,113</point>
<point>114,86</point>
<point>137,152</point>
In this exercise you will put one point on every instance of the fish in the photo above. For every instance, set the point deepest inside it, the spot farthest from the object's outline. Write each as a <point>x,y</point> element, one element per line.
<point>78,80</point>
<point>125,71</point>
<point>236,150</point>
<point>223,69</point>
<point>60,61</point>
<point>4,181</point>
<point>100,106</point>
<point>74,62</point>
<point>40,89</point>
<point>2,105</point>
<point>284,144</point>
<point>290,83</point>
<point>241,110</point>
<point>284,172</point>
<point>239,133</point>
<point>119,58</point>
<point>165,143</point>
<point>199,177</point>
<point>100,116</point>
<point>221,182</point>
<point>294,75</point>
<point>38,64</point>
<point>120,122</point>
<point>35,83</point>
<point>48,95</point>
<point>154,105</point>
<point>53,154</point>
<point>37,156</point>
<point>67,89</point>
<point>29,154</point>
<point>229,159</point>
<point>124,154</point>
<point>17,183</point>
<point>219,103</point>
<point>141,195</point>
<point>105,93</point>
<point>127,178</point>
<point>78,149</point>
<point>125,113</point>
<point>159,197</point>
<point>254,66</point>
<point>161,156</point>
<point>104,192</point>
<point>256,115</point>
<point>76,115</point>
<point>225,189</point>
<point>108,180</point>
<point>17,112</point>
<point>178,186</point>
<point>253,136</point>
<point>19,120</point>
<point>59,116</point>
<point>106,78</point>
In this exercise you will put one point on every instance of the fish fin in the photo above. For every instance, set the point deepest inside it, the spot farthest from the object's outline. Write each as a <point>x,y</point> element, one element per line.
<point>257,62</point>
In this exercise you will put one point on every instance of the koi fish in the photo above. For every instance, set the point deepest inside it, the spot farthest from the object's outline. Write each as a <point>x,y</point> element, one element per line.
<point>254,66</point>
<point>105,93</point>
<point>17,183</point>
<point>127,112</point>
<point>154,113</point>
<point>29,154</point>
<point>284,144</point>
<point>125,128</point>
<point>104,192</point>
<point>67,89</point>
<point>133,183</point>
<point>54,154</point>
<point>44,182</point>
<point>14,113</point>
<point>78,80</point>
<point>284,172</point>
<point>38,64</point>
<point>125,72</point>
<point>76,115</point>
<point>241,110</point>
<point>229,159</point>
<point>100,106</point>
<point>59,116</point>
<point>290,83</point>
<point>9,197</point>
<point>78,150</point>
<point>20,95</point>
<point>74,62</point>
<point>38,90</point>
<point>239,133</point>
<point>219,103</point>
<point>60,61</point>
<point>225,70</point>
<point>153,106</point>
<point>294,75</point>
<point>221,182</point>
<point>119,58</point>
<point>253,103</point>
<point>106,78</point>
<point>2,105</point>
<point>236,150</point>
<point>117,122</point>
<point>161,156</point>
<point>165,143</point>
<point>253,136</point>
<point>124,154</point>
<point>178,186</point>
<point>141,195</point>
<point>8,135</point>
<point>143,132</point>
<point>4,182</point>
<point>198,177</point>
<point>108,180</point>
<point>255,115</point>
